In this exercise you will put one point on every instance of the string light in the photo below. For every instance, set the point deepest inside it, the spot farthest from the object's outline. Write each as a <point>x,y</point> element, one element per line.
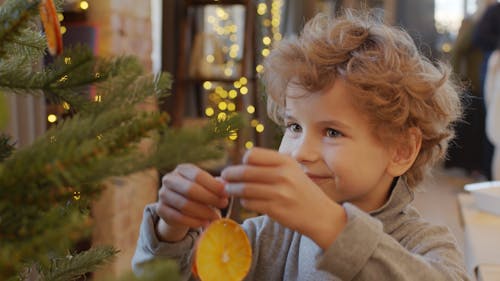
<point>209,111</point>
<point>248,144</point>
<point>52,118</point>
<point>84,5</point>
<point>207,85</point>
<point>251,109</point>
<point>259,128</point>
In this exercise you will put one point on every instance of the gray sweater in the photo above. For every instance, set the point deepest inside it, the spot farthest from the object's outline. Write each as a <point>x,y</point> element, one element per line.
<point>390,243</point>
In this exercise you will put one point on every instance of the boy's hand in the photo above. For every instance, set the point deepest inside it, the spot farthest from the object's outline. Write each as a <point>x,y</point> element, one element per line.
<point>274,184</point>
<point>187,199</point>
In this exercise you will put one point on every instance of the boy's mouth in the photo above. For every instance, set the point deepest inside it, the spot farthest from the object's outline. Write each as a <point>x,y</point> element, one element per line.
<point>318,178</point>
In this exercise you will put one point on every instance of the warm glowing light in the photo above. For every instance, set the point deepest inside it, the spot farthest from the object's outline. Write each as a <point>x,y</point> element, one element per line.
<point>84,5</point>
<point>237,84</point>
<point>222,116</point>
<point>233,136</point>
<point>259,128</point>
<point>67,60</point>
<point>64,78</point>
<point>261,9</point>
<point>277,36</point>
<point>251,109</point>
<point>446,47</point>
<point>259,68</point>
<point>60,17</point>
<point>244,90</point>
<point>266,40</point>
<point>97,98</point>
<point>233,94</point>
<point>210,59</point>
<point>243,80</point>
<point>231,106</point>
<point>76,195</point>
<point>63,29</point>
<point>265,52</point>
<point>66,106</point>
<point>207,85</point>
<point>248,144</point>
<point>228,71</point>
<point>52,118</point>
<point>222,105</point>
<point>233,54</point>
<point>209,111</point>
<point>254,123</point>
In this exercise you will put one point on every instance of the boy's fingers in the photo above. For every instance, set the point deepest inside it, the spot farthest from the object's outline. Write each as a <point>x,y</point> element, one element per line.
<point>251,190</point>
<point>174,217</point>
<point>192,190</point>
<point>247,173</point>
<point>195,174</point>
<point>188,207</point>
<point>263,157</point>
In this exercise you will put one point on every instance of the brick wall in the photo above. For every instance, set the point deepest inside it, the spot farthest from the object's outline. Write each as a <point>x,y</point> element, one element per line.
<point>124,27</point>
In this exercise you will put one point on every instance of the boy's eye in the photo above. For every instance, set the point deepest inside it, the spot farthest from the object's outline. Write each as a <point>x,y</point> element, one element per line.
<point>332,133</point>
<point>294,127</point>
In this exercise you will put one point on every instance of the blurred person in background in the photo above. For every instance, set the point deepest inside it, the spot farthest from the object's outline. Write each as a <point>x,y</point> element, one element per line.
<point>486,36</point>
<point>466,151</point>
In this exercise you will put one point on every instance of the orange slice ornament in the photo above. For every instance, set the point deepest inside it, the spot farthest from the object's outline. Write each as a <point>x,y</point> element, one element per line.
<point>51,25</point>
<point>222,252</point>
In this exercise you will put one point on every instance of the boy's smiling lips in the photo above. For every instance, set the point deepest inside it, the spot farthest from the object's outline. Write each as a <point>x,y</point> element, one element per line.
<point>318,178</point>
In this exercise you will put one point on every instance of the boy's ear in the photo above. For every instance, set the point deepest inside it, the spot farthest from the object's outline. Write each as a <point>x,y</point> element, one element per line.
<point>405,154</point>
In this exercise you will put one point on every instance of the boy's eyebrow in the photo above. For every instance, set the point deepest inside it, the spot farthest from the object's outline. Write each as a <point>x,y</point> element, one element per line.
<point>323,123</point>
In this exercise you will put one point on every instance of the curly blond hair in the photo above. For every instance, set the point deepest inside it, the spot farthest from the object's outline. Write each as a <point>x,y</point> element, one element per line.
<point>396,85</point>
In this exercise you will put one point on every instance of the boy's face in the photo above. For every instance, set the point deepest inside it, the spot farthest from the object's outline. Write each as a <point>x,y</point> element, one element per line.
<point>334,145</point>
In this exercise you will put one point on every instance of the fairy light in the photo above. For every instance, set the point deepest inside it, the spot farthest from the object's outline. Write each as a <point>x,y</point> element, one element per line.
<point>248,144</point>
<point>67,60</point>
<point>244,90</point>
<point>207,85</point>
<point>266,40</point>
<point>98,98</point>
<point>254,123</point>
<point>265,52</point>
<point>251,109</point>
<point>243,80</point>
<point>210,58</point>
<point>222,116</point>
<point>259,128</point>
<point>261,9</point>
<point>209,111</point>
<point>237,84</point>
<point>60,17</point>
<point>84,5</point>
<point>259,68</point>
<point>52,118</point>
<point>233,135</point>
<point>222,105</point>
<point>66,106</point>
<point>231,106</point>
<point>63,29</point>
<point>232,94</point>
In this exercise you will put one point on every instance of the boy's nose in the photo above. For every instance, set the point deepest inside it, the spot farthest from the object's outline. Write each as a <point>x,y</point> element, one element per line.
<point>306,150</point>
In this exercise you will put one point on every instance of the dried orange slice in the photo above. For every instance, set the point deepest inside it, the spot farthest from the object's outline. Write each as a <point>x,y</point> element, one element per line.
<point>222,253</point>
<point>51,25</point>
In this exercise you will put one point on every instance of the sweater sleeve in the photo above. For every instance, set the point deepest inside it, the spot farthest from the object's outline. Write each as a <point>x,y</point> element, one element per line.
<point>363,251</point>
<point>149,247</point>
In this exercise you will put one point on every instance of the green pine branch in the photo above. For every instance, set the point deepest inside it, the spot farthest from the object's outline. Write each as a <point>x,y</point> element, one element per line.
<point>17,22</point>
<point>6,146</point>
<point>40,215</point>
<point>73,267</point>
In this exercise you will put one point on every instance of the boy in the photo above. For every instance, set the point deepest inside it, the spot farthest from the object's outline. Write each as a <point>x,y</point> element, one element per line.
<point>365,117</point>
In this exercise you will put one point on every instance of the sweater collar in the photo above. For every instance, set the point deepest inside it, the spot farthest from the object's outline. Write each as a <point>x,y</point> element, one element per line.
<point>401,196</point>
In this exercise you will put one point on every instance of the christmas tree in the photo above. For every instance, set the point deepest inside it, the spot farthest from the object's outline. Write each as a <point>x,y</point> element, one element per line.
<point>45,188</point>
